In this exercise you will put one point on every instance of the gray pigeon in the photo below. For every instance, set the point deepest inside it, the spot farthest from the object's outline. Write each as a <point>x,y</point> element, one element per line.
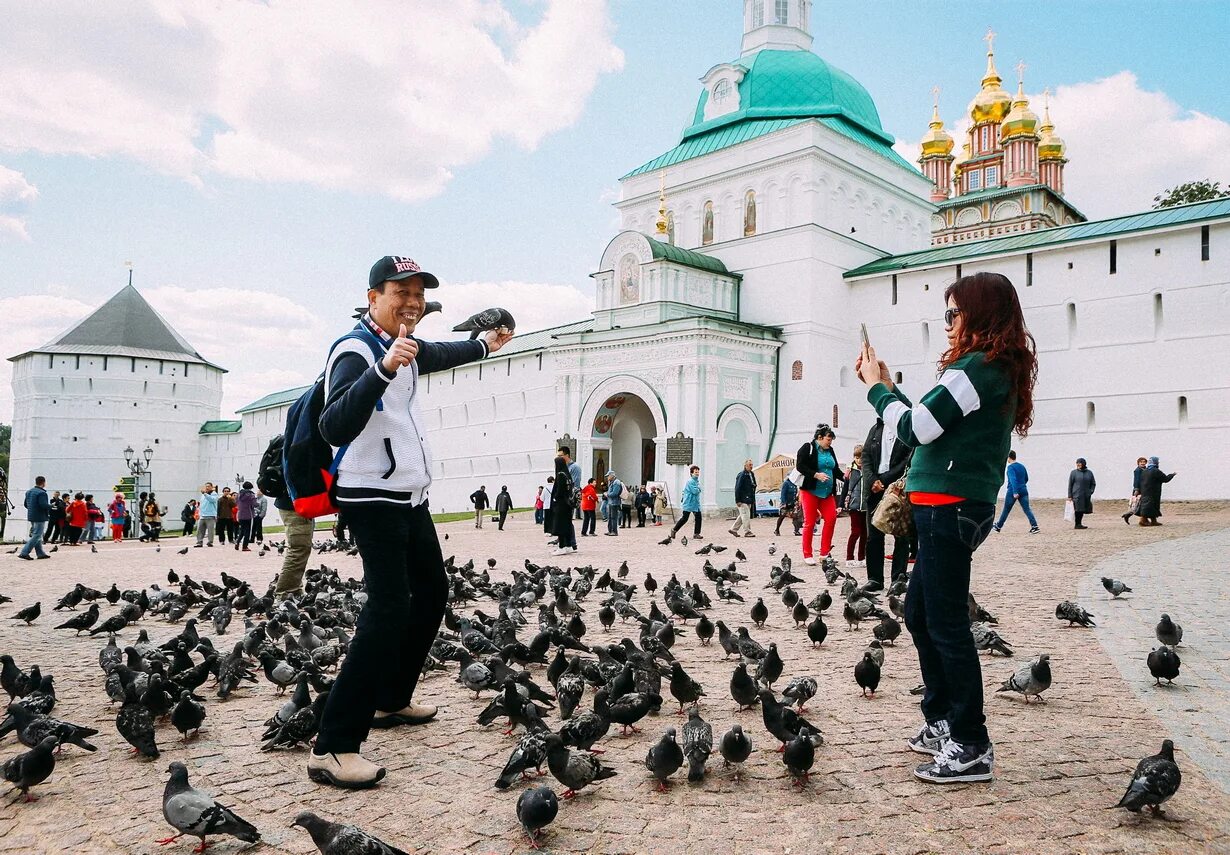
<point>736,747</point>
<point>1169,632</point>
<point>574,769</point>
<point>876,649</point>
<point>1033,678</point>
<point>697,744</point>
<point>1115,587</point>
<point>798,755</point>
<point>1155,780</point>
<point>986,638</point>
<point>664,758</point>
<point>487,319</point>
<point>196,813</point>
<point>32,767</point>
<point>1073,614</point>
<point>536,809</point>
<point>801,690</point>
<point>334,838</point>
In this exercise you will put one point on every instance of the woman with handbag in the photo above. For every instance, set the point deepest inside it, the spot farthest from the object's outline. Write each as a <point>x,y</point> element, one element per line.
<point>885,463</point>
<point>961,432</point>
<point>817,462</point>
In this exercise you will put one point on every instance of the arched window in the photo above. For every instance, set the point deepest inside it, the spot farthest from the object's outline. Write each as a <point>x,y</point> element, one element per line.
<point>796,370</point>
<point>1072,325</point>
<point>706,225</point>
<point>1091,416</point>
<point>721,91</point>
<point>1157,316</point>
<point>1182,409</point>
<point>670,227</point>
<point>897,377</point>
<point>749,213</point>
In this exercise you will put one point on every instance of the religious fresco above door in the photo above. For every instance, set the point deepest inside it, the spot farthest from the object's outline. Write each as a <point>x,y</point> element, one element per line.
<point>629,279</point>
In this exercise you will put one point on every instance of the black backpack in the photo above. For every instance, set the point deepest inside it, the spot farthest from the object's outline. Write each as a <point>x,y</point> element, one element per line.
<point>269,476</point>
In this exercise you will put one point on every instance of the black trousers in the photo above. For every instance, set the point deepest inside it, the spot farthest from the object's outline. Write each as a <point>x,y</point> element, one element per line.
<point>875,549</point>
<point>683,519</point>
<point>640,516</point>
<point>258,528</point>
<point>503,516</point>
<point>625,515</point>
<point>407,589</point>
<point>589,522</point>
<point>244,537</point>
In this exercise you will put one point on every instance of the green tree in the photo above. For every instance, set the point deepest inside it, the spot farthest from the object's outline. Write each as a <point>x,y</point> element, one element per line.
<point>6,437</point>
<point>1192,191</point>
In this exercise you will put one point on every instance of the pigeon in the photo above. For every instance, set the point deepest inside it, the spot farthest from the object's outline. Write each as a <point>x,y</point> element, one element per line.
<point>136,724</point>
<point>31,729</point>
<point>1155,780</point>
<point>821,602</point>
<point>183,551</point>
<point>187,714</point>
<point>29,614</point>
<point>627,710</point>
<point>735,748</point>
<point>782,722</point>
<point>978,613</point>
<point>867,674</point>
<point>196,813</point>
<point>771,667</point>
<point>32,767</point>
<point>726,638</point>
<point>800,613</point>
<point>582,731</point>
<point>1073,614</point>
<point>749,648</point>
<point>574,769</point>
<point>1115,587</point>
<point>704,630</point>
<point>530,752</point>
<point>876,649</point>
<point>487,319</point>
<point>772,549</point>
<point>536,809</point>
<point>111,625</point>
<point>334,838</point>
<point>800,690</point>
<point>1033,678</point>
<point>300,727</point>
<point>697,744</point>
<point>82,621</point>
<point>743,688</point>
<point>1169,632</point>
<point>887,630</point>
<point>760,612</point>
<point>1163,665</point>
<point>986,638</point>
<point>664,758</point>
<point>683,688</point>
<point>817,631</point>
<point>799,755</point>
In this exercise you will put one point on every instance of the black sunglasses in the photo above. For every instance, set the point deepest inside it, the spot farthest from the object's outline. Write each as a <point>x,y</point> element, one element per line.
<point>950,315</point>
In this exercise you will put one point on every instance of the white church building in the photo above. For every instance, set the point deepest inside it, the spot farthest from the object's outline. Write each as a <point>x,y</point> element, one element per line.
<point>727,312</point>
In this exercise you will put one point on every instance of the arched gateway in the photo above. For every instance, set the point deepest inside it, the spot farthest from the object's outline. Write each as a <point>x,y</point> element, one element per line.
<point>623,422</point>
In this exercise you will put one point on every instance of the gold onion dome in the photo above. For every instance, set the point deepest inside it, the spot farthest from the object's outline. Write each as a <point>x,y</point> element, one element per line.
<point>1050,145</point>
<point>992,103</point>
<point>937,141</point>
<point>1020,121</point>
<point>961,158</point>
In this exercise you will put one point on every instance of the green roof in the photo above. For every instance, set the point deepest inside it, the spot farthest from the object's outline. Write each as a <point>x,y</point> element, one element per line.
<point>782,88</point>
<point>989,193</point>
<point>220,426</point>
<point>1179,215</point>
<point>688,258</point>
<point>275,399</point>
<point>539,339</point>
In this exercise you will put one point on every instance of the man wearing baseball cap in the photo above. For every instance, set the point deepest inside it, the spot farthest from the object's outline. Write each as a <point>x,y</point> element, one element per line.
<point>371,406</point>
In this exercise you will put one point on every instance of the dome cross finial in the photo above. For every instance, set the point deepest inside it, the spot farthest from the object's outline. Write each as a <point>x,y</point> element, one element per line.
<point>661,223</point>
<point>989,38</point>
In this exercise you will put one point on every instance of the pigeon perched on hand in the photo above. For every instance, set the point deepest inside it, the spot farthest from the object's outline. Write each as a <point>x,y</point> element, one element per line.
<point>1115,587</point>
<point>1033,678</point>
<point>487,319</point>
<point>1155,780</point>
<point>537,808</point>
<point>334,838</point>
<point>196,813</point>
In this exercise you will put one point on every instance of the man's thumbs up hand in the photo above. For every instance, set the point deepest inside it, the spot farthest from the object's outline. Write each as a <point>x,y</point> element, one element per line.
<point>401,352</point>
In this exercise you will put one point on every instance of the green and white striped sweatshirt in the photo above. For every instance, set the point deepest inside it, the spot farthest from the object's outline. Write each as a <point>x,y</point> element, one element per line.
<point>961,429</point>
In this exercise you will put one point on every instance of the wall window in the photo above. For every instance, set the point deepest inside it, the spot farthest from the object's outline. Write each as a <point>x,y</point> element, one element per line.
<point>749,214</point>
<point>897,377</point>
<point>706,225</point>
<point>1029,269</point>
<point>757,13</point>
<point>781,11</point>
<point>1204,243</point>
<point>1114,256</point>
<point>836,417</point>
<point>721,91</point>
<point>958,271</point>
<point>992,176</point>
<point>1091,416</point>
<point>975,178</point>
<point>803,14</point>
<point>1182,409</point>
<point>796,370</point>
<point>894,289</point>
<point>926,337</point>
<point>1071,324</point>
<point>1157,316</point>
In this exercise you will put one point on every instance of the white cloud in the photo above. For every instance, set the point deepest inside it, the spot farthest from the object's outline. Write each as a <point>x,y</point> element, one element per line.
<point>16,195</point>
<point>31,321</point>
<point>381,96</point>
<point>1125,144</point>
<point>535,305</point>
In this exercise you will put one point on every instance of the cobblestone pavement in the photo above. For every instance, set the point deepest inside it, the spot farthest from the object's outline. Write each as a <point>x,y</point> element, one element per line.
<point>1059,764</point>
<point>1184,578</point>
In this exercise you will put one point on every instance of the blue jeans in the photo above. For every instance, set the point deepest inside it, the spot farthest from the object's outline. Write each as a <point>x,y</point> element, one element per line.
<point>612,519</point>
<point>937,615</point>
<point>36,540</point>
<point>1009,501</point>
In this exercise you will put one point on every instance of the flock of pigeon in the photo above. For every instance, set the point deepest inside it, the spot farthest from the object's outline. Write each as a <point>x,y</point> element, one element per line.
<point>536,658</point>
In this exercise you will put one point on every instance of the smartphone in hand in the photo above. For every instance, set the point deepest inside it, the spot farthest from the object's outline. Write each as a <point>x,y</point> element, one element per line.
<point>866,340</point>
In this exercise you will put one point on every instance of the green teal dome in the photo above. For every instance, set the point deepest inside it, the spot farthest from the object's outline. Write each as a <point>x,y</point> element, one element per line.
<point>794,84</point>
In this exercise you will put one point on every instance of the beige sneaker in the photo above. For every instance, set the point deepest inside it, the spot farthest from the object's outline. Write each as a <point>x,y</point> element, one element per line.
<point>410,714</point>
<point>351,771</point>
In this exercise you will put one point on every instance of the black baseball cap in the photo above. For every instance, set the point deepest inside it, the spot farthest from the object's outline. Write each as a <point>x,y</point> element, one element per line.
<point>394,267</point>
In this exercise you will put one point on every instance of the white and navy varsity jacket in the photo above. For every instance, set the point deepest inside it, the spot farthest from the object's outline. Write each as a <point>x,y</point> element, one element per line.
<point>376,414</point>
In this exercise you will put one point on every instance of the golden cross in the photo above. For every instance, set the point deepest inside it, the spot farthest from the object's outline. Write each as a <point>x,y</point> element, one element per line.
<point>989,38</point>
<point>935,94</point>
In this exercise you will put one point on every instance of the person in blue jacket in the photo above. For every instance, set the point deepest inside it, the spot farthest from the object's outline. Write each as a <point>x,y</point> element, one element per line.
<point>690,503</point>
<point>1018,491</point>
<point>38,511</point>
<point>614,489</point>
<point>787,505</point>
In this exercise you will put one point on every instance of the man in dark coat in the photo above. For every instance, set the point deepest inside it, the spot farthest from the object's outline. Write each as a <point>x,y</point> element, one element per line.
<point>38,509</point>
<point>479,499</point>
<point>1081,485</point>
<point>1134,503</point>
<point>503,504</point>
<point>884,462</point>
<point>1151,482</point>
<point>745,500</point>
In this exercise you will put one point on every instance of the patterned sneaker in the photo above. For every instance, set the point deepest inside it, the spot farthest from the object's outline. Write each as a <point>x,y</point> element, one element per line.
<point>1034,530</point>
<point>930,739</point>
<point>959,764</point>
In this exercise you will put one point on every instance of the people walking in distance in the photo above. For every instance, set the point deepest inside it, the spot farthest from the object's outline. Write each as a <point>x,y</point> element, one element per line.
<point>1081,485</point>
<point>299,531</point>
<point>788,507</point>
<point>480,502</point>
<point>503,504</point>
<point>188,517</point>
<point>258,516</point>
<point>152,514</point>
<point>643,504</point>
<point>852,502</point>
<point>561,508</point>
<point>574,472</point>
<point>659,505</point>
<point>226,516</point>
<point>1151,481</point>
<point>689,503</point>
<point>117,509</point>
<point>589,509</point>
<point>1018,493</point>
<point>961,430</point>
<point>614,489</point>
<point>382,483</point>
<point>207,507</point>
<point>245,501</point>
<point>38,511</point>
<point>818,462</point>
<point>94,518</point>
<point>884,462</point>
<point>78,516</point>
<point>625,506</point>
<point>538,507</point>
<point>547,492</point>
<point>55,521</point>
<point>1134,502</point>
<point>745,500</point>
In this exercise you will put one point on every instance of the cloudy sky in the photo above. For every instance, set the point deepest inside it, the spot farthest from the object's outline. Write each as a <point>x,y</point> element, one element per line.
<point>253,159</point>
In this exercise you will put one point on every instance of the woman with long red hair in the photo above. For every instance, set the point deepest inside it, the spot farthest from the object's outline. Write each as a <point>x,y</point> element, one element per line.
<point>961,430</point>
